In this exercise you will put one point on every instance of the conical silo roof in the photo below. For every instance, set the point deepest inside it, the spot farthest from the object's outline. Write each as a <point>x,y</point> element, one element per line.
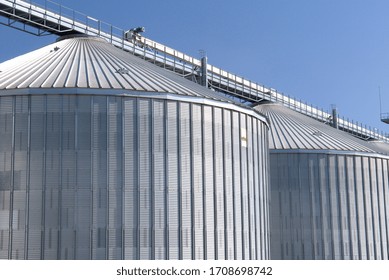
<point>380,146</point>
<point>93,63</point>
<point>293,130</point>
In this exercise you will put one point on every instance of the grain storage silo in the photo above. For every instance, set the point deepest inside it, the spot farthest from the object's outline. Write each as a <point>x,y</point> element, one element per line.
<point>106,156</point>
<point>329,191</point>
<point>379,146</point>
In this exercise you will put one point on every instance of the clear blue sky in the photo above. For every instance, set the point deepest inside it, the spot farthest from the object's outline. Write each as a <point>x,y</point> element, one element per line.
<point>321,51</point>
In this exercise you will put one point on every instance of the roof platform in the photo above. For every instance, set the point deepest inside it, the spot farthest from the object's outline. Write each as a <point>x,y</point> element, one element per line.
<point>33,19</point>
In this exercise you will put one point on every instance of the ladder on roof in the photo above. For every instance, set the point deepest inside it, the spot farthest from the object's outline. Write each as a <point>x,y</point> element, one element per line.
<point>53,18</point>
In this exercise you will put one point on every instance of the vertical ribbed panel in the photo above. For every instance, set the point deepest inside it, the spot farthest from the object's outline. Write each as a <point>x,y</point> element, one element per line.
<point>229,187</point>
<point>209,191</point>
<point>159,177</point>
<point>52,179</point>
<point>36,178</point>
<point>186,182</point>
<point>173,192</point>
<point>335,203</point>
<point>19,180</point>
<point>219,184</point>
<point>115,176</point>
<point>359,193</point>
<point>384,206</point>
<point>6,171</point>
<point>264,190</point>
<point>99,177</point>
<point>250,175</point>
<point>329,206</point>
<point>83,211</point>
<point>130,169</point>
<point>352,208</point>
<point>198,191</point>
<point>145,186</point>
<point>68,177</point>
<point>366,185</point>
<point>237,200</point>
<point>244,188</point>
<point>377,243</point>
<point>109,177</point>
<point>257,198</point>
<point>382,231</point>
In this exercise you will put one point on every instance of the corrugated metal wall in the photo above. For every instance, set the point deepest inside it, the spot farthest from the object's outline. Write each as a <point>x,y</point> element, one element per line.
<point>109,177</point>
<point>329,205</point>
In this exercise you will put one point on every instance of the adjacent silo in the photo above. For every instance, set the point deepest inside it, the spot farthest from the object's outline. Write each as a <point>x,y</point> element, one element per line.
<point>329,191</point>
<point>106,156</point>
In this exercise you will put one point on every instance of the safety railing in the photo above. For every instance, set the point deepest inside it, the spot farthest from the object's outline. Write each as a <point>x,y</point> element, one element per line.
<point>51,17</point>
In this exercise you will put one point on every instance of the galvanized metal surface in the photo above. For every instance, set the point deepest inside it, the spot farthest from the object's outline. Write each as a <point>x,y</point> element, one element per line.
<point>293,130</point>
<point>380,147</point>
<point>329,191</point>
<point>329,206</point>
<point>87,62</point>
<point>105,156</point>
<point>117,177</point>
<point>57,19</point>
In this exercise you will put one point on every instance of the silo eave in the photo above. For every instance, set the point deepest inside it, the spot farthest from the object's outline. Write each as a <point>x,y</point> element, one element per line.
<point>139,94</point>
<point>328,152</point>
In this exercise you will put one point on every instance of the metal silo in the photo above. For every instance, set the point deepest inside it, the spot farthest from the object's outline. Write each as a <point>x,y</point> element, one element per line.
<point>329,191</point>
<point>106,156</point>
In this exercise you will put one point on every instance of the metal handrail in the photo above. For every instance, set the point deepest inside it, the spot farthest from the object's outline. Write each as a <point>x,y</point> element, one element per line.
<point>68,19</point>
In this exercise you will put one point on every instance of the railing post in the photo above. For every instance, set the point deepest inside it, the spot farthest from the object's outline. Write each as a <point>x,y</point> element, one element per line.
<point>204,70</point>
<point>334,117</point>
<point>111,32</point>
<point>123,39</point>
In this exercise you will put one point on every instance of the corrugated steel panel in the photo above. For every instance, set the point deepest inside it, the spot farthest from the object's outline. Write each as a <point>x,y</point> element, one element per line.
<point>329,206</point>
<point>209,191</point>
<point>229,189</point>
<point>198,190</point>
<point>159,177</point>
<point>87,62</point>
<point>106,175</point>
<point>380,147</point>
<point>327,190</point>
<point>237,200</point>
<point>185,180</point>
<point>173,219</point>
<point>292,130</point>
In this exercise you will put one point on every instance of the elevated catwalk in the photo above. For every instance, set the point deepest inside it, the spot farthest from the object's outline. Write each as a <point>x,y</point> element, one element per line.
<point>53,18</point>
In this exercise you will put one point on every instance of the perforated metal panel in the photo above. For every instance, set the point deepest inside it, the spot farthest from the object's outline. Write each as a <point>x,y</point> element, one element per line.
<point>113,177</point>
<point>159,180</point>
<point>173,207</point>
<point>328,191</point>
<point>329,206</point>
<point>228,187</point>
<point>237,200</point>
<point>198,187</point>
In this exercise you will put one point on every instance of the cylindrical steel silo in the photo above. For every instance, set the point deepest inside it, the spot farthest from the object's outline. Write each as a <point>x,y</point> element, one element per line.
<point>329,191</point>
<point>106,156</point>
